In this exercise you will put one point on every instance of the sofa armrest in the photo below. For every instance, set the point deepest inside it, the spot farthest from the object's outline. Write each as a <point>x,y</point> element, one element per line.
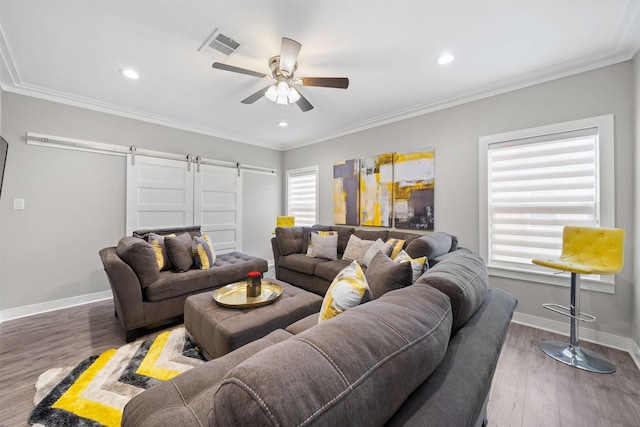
<point>126,288</point>
<point>276,253</point>
<point>457,390</point>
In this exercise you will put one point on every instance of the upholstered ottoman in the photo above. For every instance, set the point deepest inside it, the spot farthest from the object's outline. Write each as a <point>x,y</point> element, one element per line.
<point>219,330</point>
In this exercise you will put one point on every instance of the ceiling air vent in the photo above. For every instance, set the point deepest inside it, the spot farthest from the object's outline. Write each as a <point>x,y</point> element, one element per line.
<point>219,46</point>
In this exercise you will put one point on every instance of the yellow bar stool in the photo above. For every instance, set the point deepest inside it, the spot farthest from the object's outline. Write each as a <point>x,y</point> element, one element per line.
<point>584,251</point>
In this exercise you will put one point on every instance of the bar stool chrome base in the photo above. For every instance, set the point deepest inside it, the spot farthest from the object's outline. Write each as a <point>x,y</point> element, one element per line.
<point>577,357</point>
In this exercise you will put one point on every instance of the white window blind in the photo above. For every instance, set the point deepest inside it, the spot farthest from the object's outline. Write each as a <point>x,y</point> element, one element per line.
<point>535,189</point>
<point>537,182</point>
<point>302,189</point>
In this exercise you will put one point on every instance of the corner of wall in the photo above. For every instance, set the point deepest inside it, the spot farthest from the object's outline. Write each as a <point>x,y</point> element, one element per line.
<point>636,237</point>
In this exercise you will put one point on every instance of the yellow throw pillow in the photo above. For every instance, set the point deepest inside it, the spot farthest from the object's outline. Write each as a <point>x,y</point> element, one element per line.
<point>157,243</point>
<point>347,290</point>
<point>418,265</point>
<point>396,247</point>
<point>203,252</point>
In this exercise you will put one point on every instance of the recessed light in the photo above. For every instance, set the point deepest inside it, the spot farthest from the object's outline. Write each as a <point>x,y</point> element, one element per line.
<point>129,73</point>
<point>445,58</point>
<point>283,124</point>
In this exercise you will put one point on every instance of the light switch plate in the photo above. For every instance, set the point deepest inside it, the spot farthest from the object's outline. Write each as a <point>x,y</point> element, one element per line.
<point>18,204</point>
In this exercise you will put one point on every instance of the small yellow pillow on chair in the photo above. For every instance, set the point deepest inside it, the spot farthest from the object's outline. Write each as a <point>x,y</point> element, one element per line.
<point>347,290</point>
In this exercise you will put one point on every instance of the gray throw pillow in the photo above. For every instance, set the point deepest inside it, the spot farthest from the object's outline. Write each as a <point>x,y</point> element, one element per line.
<point>140,256</point>
<point>179,251</point>
<point>356,248</point>
<point>384,275</point>
<point>324,245</point>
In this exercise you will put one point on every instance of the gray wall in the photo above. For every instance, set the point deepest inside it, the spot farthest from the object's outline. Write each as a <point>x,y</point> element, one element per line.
<point>454,133</point>
<point>75,201</point>
<point>635,238</point>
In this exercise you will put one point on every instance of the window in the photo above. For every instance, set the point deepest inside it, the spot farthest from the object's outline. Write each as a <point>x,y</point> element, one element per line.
<point>535,182</point>
<point>302,191</point>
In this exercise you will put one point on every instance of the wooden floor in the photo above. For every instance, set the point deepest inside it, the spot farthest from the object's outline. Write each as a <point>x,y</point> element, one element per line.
<point>529,388</point>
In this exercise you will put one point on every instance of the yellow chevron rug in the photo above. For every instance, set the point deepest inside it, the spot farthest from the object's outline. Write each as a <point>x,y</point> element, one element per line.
<point>94,392</point>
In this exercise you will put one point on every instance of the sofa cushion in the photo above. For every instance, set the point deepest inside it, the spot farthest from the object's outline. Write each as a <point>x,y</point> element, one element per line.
<point>203,252</point>
<point>289,240</point>
<point>407,237</point>
<point>432,245</point>
<point>372,234</point>
<point>179,251</point>
<point>418,265</point>
<point>324,244</point>
<point>361,366</point>
<point>384,275</point>
<point>347,290</point>
<point>141,257</point>
<point>329,270</point>
<point>464,280</point>
<point>301,263</point>
<point>356,248</point>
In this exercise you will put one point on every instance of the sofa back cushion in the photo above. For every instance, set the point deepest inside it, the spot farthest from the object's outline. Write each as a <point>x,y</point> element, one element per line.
<point>464,280</point>
<point>355,369</point>
<point>140,256</point>
<point>432,245</point>
<point>289,240</point>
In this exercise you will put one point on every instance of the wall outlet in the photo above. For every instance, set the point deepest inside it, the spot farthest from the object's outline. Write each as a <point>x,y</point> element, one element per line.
<point>18,204</point>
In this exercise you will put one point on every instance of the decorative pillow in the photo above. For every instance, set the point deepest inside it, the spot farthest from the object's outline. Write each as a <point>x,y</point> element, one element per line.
<point>356,248</point>
<point>384,275</point>
<point>396,247</point>
<point>157,243</point>
<point>179,251</point>
<point>347,290</point>
<point>203,252</point>
<point>324,244</point>
<point>139,255</point>
<point>417,264</point>
<point>377,246</point>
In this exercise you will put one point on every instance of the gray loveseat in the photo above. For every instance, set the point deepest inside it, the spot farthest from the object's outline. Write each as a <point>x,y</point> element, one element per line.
<point>420,355</point>
<point>145,296</point>
<point>315,274</point>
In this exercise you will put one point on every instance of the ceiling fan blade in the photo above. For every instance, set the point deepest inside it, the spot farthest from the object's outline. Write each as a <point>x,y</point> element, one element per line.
<point>335,82</point>
<point>253,98</point>
<point>304,104</point>
<point>289,55</point>
<point>225,67</point>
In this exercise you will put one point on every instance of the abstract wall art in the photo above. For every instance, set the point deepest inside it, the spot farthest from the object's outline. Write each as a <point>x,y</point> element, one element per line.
<point>414,179</point>
<point>376,190</point>
<point>346,192</point>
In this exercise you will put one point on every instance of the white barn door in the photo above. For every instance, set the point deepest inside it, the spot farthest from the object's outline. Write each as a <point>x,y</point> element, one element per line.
<point>159,193</point>
<point>218,206</point>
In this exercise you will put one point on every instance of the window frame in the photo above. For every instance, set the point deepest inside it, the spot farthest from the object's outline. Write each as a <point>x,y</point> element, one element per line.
<point>308,170</point>
<point>606,203</point>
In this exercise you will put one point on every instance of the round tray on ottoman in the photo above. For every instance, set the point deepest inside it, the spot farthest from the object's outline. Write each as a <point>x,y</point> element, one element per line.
<point>219,330</point>
<point>235,295</point>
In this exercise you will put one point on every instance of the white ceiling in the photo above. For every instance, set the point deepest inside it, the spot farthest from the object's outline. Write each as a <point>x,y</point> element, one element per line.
<point>71,52</point>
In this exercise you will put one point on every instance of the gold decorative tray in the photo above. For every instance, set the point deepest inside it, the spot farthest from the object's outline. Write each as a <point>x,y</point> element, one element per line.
<point>235,295</point>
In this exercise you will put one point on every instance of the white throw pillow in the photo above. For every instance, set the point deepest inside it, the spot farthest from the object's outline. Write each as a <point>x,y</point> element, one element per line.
<point>347,290</point>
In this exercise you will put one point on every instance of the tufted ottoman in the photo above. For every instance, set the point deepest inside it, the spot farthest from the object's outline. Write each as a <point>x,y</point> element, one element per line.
<point>219,330</point>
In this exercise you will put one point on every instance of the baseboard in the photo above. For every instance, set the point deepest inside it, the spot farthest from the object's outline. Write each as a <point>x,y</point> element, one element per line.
<point>590,335</point>
<point>44,307</point>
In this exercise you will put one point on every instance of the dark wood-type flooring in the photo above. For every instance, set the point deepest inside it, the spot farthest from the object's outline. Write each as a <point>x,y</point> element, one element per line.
<point>529,388</point>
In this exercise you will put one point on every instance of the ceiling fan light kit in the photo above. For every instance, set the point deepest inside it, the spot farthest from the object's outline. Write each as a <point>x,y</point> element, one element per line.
<point>283,68</point>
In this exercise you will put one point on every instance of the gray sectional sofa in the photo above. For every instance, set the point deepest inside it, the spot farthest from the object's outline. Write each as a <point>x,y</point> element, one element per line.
<point>145,296</point>
<point>421,355</point>
<point>315,274</point>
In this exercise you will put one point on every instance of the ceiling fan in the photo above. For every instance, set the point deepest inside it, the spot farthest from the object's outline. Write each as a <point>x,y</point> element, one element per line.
<point>283,68</point>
